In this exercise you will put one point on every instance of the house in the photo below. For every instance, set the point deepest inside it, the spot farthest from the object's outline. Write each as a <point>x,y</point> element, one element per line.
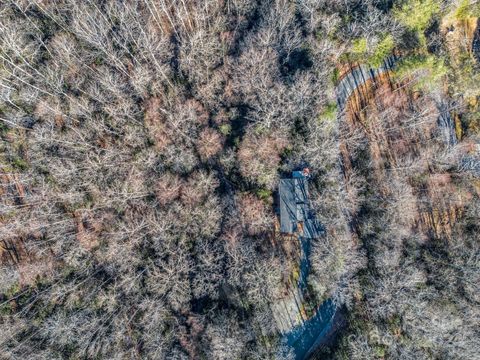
<point>296,217</point>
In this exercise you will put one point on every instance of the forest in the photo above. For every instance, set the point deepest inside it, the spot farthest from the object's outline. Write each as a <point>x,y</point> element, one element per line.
<point>143,144</point>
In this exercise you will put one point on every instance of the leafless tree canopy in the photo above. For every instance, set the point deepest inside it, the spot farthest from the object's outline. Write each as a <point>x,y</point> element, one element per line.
<point>142,146</point>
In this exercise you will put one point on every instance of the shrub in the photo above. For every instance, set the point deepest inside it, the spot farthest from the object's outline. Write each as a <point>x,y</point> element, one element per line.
<point>359,46</point>
<point>383,49</point>
<point>225,129</point>
<point>375,55</point>
<point>329,112</point>
<point>416,14</point>
<point>467,10</point>
<point>428,70</point>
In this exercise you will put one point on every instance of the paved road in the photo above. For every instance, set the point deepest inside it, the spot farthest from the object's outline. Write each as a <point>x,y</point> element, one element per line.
<point>304,338</point>
<point>359,75</point>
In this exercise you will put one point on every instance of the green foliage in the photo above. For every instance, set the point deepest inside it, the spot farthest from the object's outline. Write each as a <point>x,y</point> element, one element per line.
<point>260,130</point>
<point>428,70</point>
<point>19,163</point>
<point>3,127</point>
<point>394,323</point>
<point>163,222</point>
<point>373,56</point>
<point>20,296</point>
<point>330,112</point>
<point>225,129</point>
<point>416,14</point>
<point>471,121</point>
<point>7,307</point>
<point>383,49</point>
<point>380,351</point>
<point>14,289</point>
<point>466,10</point>
<point>288,151</point>
<point>44,312</point>
<point>99,60</point>
<point>359,46</point>
<point>463,10</point>
<point>465,76</point>
<point>358,50</point>
<point>236,141</point>
<point>264,194</point>
<point>335,76</point>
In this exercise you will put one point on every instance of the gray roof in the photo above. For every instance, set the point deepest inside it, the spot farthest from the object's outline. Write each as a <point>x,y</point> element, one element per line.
<point>294,207</point>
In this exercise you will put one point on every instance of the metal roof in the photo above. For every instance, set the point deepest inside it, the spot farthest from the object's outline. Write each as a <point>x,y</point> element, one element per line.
<point>294,207</point>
